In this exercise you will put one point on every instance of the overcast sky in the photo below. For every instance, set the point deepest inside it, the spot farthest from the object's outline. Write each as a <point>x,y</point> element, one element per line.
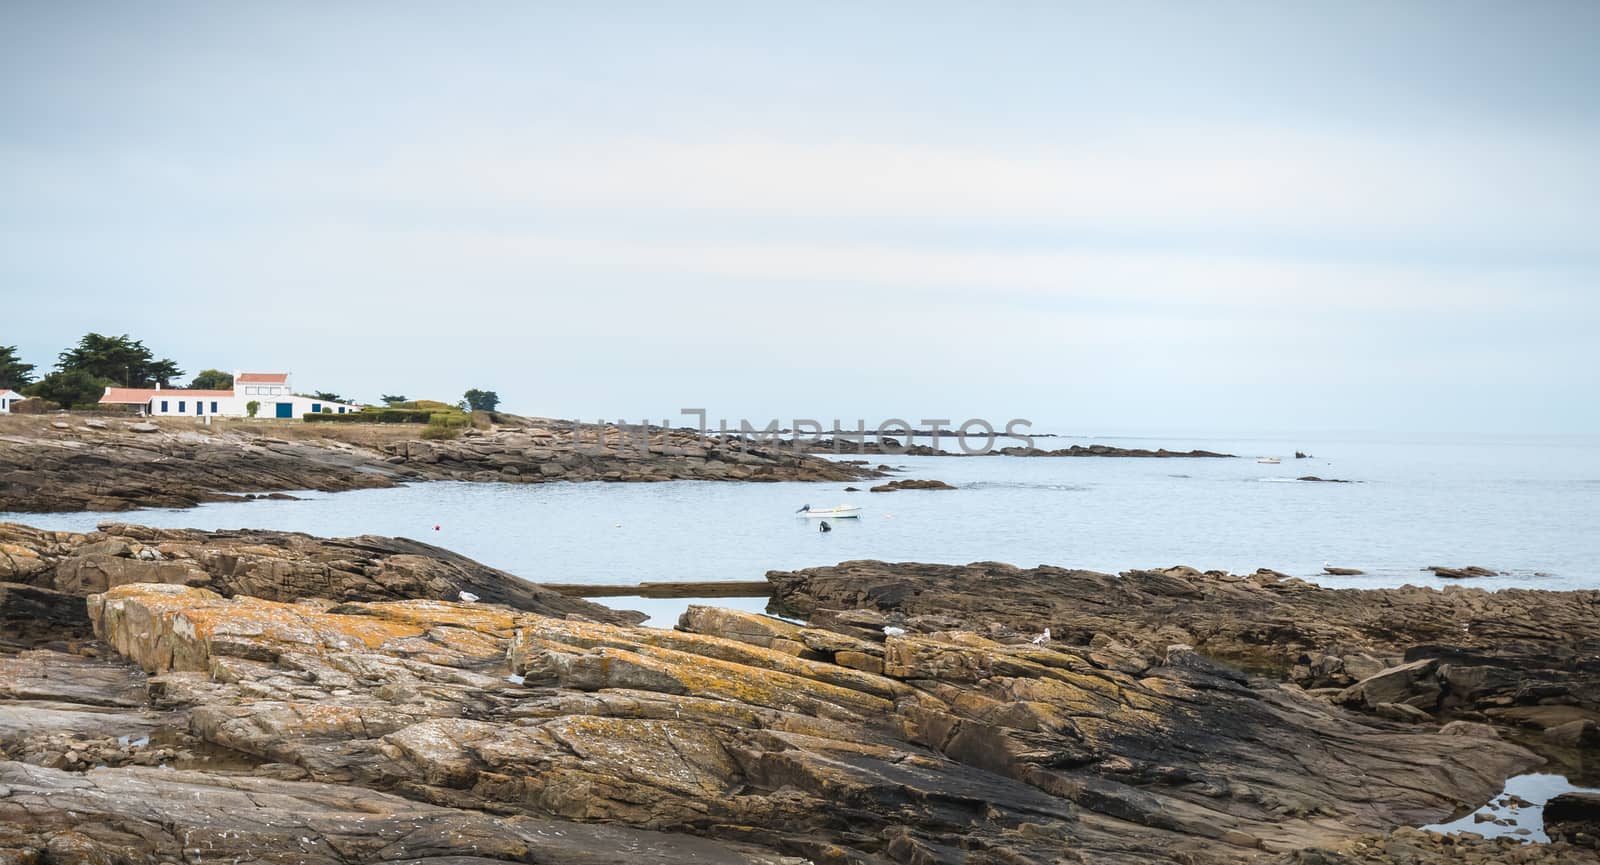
<point>1107,217</point>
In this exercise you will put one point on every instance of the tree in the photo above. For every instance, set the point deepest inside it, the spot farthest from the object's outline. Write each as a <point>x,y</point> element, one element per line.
<point>120,359</point>
<point>482,400</point>
<point>252,407</point>
<point>14,374</point>
<point>73,388</point>
<point>212,379</point>
<point>392,399</point>
<point>327,396</point>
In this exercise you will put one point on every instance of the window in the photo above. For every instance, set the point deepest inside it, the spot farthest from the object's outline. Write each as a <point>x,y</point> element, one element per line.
<point>316,408</point>
<point>213,407</point>
<point>163,406</point>
<point>183,406</point>
<point>341,409</point>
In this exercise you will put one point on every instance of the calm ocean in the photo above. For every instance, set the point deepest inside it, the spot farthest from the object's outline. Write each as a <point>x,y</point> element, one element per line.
<point>1527,506</point>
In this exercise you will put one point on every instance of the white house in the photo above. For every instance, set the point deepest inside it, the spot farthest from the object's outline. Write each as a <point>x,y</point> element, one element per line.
<point>271,389</point>
<point>7,397</point>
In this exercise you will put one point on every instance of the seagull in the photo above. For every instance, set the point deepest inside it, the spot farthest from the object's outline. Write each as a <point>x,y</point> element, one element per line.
<point>469,597</point>
<point>1043,639</point>
<point>892,631</point>
<point>824,527</point>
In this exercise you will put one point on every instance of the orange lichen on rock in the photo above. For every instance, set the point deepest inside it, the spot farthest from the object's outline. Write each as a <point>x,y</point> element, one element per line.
<point>653,641</point>
<point>166,627</point>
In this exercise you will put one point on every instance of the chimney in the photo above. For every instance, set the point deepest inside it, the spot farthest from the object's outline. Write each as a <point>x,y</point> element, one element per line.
<point>158,385</point>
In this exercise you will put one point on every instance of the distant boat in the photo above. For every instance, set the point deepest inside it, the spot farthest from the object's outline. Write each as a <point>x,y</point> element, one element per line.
<point>1268,461</point>
<point>841,512</point>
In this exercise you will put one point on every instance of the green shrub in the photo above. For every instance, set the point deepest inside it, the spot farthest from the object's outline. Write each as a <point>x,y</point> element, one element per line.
<point>73,388</point>
<point>34,405</point>
<point>371,416</point>
<point>481,400</point>
<point>393,415</point>
<point>252,407</point>
<point>445,425</point>
<point>424,404</point>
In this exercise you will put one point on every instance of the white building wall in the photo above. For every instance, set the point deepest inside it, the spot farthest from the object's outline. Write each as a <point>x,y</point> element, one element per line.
<point>177,403</point>
<point>298,406</point>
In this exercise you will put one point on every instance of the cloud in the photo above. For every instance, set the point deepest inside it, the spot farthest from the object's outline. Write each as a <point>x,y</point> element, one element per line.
<point>1147,282</point>
<point>1153,179</point>
<point>1504,188</point>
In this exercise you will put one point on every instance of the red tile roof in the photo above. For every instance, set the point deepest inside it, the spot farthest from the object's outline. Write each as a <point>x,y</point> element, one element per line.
<point>129,395</point>
<point>264,377</point>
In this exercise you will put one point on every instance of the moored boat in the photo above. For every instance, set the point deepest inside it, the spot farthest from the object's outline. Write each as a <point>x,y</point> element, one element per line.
<point>839,512</point>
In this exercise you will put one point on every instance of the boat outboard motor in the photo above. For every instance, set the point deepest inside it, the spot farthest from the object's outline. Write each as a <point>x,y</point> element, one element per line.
<point>803,509</point>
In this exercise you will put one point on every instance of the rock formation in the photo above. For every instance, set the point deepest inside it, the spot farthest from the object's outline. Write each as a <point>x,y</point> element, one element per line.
<point>804,742</point>
<point>220,716</point>
<point>1113,451</point>
<point>286,566</point>
<point>137,814</point>
<point>1517,656</point>
<point>1461,573</point>
<point>888,446</point>
<point>1575,818</point>
<point>122,466</point>
<point>911,484</point>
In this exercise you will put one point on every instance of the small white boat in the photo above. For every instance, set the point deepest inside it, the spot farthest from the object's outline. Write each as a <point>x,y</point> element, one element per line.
<point>841,512</point>
<point>1268,461</point>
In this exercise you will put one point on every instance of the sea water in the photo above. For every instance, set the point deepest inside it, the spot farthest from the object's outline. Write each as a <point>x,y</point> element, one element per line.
<point>1527,507</point>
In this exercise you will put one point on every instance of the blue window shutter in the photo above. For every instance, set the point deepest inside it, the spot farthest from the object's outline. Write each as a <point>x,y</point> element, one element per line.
<point>163,406</point>
<point>213,407</point>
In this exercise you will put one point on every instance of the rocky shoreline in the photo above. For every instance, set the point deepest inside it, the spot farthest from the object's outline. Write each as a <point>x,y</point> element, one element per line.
<point>1518,657</point>
<point>272,697</point>
<point>887,446</point>
<point>99,464</point>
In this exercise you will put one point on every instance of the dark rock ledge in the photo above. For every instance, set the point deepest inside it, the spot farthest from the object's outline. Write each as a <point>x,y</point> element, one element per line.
<point>913,720</point>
